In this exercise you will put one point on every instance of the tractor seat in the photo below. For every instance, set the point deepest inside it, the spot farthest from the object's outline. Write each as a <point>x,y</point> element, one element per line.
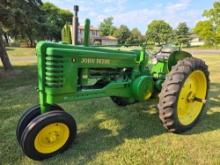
<point>165,53</point>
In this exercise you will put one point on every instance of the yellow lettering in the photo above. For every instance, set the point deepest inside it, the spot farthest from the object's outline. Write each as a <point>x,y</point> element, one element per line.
<point>94,61</point>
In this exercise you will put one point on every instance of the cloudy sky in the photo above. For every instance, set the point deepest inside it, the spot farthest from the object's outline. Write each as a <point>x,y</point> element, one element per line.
<point>138,13</point>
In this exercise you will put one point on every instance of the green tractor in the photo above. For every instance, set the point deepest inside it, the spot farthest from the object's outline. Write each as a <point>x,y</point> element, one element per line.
<point>77,72</point>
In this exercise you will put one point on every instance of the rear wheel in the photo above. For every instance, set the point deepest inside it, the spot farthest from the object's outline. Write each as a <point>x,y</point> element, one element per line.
<point>48,134</point>
<point>183,95</point>
<point>29,115</point>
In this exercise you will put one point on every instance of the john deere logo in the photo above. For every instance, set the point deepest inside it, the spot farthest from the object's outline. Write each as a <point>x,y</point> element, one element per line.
<point>94,61</point>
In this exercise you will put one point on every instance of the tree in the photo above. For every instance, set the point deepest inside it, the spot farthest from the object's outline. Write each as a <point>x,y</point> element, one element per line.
<point>213,14</point>
<point>159,32</point>
<point>54,20</point>
<point>15,19</point>
<point>205,30</point>
<point>122,33</point>
<point>209,30</point>
<point>30,20</point>
<point>182,34</point>
<point>3,55</point>
<point>218,33</point>
<point>135,37</point>
<point>107,27</point>
<point>21,20</point>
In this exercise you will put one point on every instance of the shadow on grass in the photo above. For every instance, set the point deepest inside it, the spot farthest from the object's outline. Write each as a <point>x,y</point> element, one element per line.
<point>136,123</point>
<point>106,126</point>
<point>19,75</point>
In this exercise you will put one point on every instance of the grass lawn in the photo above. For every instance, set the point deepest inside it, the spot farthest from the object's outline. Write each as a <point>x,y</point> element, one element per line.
<point>108,134</point>
<point>18,52</point>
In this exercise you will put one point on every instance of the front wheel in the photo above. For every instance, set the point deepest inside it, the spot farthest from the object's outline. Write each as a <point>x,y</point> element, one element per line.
<point>48,134</point>
<point>183,95</point>
<point>29,115</point>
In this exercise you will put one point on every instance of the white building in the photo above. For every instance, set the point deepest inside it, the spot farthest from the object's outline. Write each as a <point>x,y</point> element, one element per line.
<point>109,40</point>
<point>196,41</point>
<point>94,34</point>
<point>95,37</point>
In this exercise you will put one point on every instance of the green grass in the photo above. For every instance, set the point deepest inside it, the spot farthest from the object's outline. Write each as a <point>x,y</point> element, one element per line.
<point>18,52</point>
<point>108,134</point>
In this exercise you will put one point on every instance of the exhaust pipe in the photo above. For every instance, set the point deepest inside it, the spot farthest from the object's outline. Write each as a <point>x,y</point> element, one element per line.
<point>75,25</point>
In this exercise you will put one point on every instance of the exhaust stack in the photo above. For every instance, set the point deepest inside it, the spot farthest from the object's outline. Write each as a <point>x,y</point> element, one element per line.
<point>75,26</point>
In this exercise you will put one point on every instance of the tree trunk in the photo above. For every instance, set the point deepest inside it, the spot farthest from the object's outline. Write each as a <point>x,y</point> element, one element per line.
<point>31,42</point>
<point>6,39</point>
<point>4,56</point>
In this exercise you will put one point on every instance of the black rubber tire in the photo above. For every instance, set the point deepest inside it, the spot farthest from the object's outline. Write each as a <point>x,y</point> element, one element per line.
<point>33,128</point>
<point>29,115</point>
<point>170,92</point>
<point>120,101</point>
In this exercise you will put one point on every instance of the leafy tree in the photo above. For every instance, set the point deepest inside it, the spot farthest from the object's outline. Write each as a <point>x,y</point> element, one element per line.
<point>22,20</point>
<point>54,19</point>
<point>209,30</point>
<point>205,30</point>
<point>218,33</point>
<point>182,34</point>
<point>16,19</point>
<point>213,14</point>
<point>31,20</point>
<point>107,27</point>
<point>122,33</point>
<point>135,37</point>
<point>159,32</point>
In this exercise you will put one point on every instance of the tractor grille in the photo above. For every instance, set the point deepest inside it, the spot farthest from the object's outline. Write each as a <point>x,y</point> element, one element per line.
<point>54,71</point>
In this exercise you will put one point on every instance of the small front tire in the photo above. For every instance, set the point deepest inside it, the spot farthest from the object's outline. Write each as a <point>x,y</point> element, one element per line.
<point>29,115</point>
<point>48,134</point>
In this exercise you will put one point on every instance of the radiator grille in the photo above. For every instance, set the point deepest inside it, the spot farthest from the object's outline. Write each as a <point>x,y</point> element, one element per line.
<point>54,71</point>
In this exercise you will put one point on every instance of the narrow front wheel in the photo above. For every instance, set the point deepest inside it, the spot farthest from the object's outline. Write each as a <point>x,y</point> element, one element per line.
<point>29,115</point>
<point>48,134</point>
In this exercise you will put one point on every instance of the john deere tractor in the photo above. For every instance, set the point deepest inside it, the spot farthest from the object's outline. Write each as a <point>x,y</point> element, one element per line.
<point>78,72</point>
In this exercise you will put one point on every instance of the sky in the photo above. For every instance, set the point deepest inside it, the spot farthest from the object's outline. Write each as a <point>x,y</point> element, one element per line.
<point>134,13</point>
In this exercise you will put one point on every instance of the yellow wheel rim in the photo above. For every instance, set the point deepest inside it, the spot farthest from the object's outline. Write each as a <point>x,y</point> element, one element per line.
<point>51,138</point>
<point>188,108</point>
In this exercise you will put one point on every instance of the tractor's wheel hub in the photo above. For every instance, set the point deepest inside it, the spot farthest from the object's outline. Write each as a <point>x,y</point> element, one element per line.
<point>188,107</point>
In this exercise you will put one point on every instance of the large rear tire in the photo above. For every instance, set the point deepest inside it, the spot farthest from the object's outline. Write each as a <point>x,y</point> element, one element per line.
<point>183,95</point>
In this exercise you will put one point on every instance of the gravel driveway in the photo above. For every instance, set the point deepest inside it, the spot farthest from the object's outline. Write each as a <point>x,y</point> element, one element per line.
<point>203,51</point>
